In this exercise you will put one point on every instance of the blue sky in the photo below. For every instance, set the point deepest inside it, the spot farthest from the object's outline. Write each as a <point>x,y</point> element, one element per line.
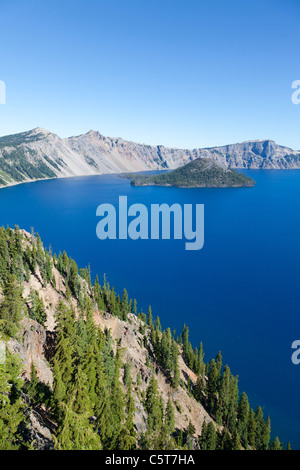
<point>187,73</point>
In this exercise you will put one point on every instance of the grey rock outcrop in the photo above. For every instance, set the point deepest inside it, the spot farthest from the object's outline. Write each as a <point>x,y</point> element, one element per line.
<point>38,431</point>
<point>30,349</point>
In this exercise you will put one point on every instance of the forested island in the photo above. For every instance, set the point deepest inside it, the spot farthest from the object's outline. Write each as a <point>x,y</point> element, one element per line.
<point>85,369</point>
<point>200,173</point>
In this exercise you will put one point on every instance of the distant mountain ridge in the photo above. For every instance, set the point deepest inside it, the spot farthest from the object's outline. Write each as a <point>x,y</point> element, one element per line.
<point>40,154</point>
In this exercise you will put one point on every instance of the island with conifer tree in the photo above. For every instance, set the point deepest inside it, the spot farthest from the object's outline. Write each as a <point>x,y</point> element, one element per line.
<point>200,173</point>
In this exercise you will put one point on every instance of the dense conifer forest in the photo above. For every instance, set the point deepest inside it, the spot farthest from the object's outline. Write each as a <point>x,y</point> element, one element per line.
<point>93,401</point>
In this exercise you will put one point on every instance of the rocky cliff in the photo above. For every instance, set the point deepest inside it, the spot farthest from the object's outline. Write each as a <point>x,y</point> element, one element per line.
<point>35,344</point>
<point>82,372</point>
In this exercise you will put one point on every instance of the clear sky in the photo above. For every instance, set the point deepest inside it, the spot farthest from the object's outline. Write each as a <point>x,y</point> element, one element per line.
<point>181,73</point>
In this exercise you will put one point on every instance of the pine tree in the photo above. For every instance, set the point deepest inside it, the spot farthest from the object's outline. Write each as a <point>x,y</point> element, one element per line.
<point>201,365</point>
<point>276,444</point>
<point>103,409</point>
<point>175,367</point>
<point>186,344</point>
<point>11,411</point>
<point>233,404</point>
<point>37,309</point>
<point>211,437</point>
<point>11,307</point>
<point>32,389</point>
<point>219,362</point>
<point>158,324</point>
<point>198,389</point>
<point>59,390</point>
<point>252,429</point>
<point>117,396</point>
<point>243,418</point>
<point>212,385</point>
<point>127,373</point>
<point>79,396</point>
<point>89,368</point>
<point>134,307</point>
<point>150,319</point>
<point>169,418</point>
<point>225,441</point>
<point>266,434</point>
<point>153,405</point>
<point>75,432</point>
<point>260,424</point>
<point>65,360</point>
<point>203,437</point>
<point>124,305</point>
<point>223,406</point>
<point>66,338</point>
<point>127,438</point>
<point>236,444</point>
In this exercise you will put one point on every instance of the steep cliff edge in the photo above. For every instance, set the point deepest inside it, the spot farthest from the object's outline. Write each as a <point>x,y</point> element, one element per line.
<point>35,345</point>
<point>84,372</point>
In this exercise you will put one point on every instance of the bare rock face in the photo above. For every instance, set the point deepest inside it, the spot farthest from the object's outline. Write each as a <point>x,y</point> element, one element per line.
<point>259,154</point>
<point>30,348</point>
<point>194,443</point>
<point>38,431</point>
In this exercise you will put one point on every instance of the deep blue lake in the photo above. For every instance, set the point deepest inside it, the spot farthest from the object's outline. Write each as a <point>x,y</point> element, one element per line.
<point>240,294</point>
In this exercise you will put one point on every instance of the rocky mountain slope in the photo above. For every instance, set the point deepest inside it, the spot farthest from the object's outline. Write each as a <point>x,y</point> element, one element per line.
<point>35,345</point>
<point>83,372</point>
<point>39,154</point>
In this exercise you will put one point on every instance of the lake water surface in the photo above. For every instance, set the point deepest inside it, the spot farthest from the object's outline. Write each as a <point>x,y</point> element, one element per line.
<point>239,294</point>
